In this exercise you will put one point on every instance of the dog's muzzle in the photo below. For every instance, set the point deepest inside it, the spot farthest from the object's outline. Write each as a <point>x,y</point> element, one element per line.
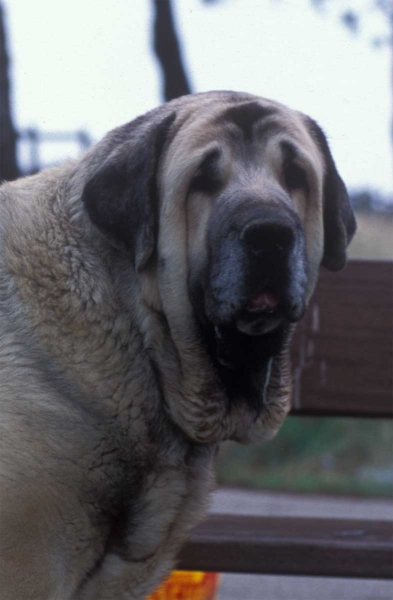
<point>257,270</point>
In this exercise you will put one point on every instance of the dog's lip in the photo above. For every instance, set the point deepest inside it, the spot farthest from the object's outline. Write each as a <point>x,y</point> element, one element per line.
<point>263,305</point>
<point>264,301</point>
<point>258,313</point>
<point>262,314</point>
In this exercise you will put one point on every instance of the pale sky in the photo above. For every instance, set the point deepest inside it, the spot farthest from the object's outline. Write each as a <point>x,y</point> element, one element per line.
<point>87,64</point>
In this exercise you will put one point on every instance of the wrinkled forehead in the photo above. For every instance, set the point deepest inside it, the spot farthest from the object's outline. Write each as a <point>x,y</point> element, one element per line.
<point>247,121</point>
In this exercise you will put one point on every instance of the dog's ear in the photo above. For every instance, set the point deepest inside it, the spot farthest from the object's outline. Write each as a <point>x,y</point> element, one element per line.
<point>338,217</point>
<point>121,197</point>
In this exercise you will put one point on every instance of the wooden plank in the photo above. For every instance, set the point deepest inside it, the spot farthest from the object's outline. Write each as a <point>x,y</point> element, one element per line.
<point>291,546</point>
<point>342,350</point>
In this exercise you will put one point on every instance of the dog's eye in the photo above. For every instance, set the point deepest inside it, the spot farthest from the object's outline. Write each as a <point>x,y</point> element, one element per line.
<point>295,177</point>
<point>207,179</point>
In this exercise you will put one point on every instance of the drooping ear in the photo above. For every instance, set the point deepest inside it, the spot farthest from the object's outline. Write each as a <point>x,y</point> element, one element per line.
<point>338,217</point>
<point>121,197</point>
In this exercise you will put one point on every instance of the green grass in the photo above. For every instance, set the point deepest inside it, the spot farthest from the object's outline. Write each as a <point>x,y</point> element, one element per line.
<point>330,455</point>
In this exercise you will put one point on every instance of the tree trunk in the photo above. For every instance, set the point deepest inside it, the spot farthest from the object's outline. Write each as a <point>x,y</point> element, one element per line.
<point>8,165</point>
<point>167,49</point>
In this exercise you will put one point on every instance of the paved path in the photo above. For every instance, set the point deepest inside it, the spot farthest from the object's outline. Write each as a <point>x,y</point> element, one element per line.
<point>269,587</point>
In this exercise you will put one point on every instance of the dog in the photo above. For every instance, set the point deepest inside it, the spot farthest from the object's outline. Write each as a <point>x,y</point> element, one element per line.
<point>148,295</point>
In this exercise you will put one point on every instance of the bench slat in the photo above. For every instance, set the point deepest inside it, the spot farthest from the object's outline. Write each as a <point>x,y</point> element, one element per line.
<point>291,546</point>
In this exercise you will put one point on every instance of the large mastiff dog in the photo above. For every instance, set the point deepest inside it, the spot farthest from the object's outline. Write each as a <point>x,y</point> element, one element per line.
<point>148,294</point>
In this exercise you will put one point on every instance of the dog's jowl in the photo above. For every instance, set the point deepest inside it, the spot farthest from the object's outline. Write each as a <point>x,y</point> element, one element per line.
<point>148,294</point>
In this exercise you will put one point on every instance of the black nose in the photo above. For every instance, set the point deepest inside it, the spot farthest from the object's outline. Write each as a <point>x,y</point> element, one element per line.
<point>267,235</point>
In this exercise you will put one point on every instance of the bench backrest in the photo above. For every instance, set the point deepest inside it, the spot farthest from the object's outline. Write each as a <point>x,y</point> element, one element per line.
<point>342,351</point>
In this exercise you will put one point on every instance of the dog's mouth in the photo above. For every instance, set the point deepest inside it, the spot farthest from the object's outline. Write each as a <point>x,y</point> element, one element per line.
<point>255,331</point>
<point>245,329</point>
<point>262,314</point>
<point>255,328</point>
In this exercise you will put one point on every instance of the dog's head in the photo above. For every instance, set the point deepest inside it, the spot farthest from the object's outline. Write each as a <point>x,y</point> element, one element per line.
<point>231,202</point>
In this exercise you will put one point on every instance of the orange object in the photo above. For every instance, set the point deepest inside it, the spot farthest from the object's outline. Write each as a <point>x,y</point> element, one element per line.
<point>188,585</point>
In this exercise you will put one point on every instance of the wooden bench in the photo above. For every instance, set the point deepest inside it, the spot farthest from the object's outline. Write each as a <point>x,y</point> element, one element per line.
<point>342,359</point>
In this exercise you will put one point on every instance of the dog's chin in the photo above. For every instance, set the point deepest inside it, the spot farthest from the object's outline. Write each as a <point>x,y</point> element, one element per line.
<point>259,323</point>
<point>248,343</point>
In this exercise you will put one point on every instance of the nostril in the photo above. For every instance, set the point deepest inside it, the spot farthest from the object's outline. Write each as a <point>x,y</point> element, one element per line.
<point>262,236</point>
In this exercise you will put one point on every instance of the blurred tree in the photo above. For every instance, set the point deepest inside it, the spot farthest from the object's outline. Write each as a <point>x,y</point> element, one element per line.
<point>8,165</point>
<point>167,49</point>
